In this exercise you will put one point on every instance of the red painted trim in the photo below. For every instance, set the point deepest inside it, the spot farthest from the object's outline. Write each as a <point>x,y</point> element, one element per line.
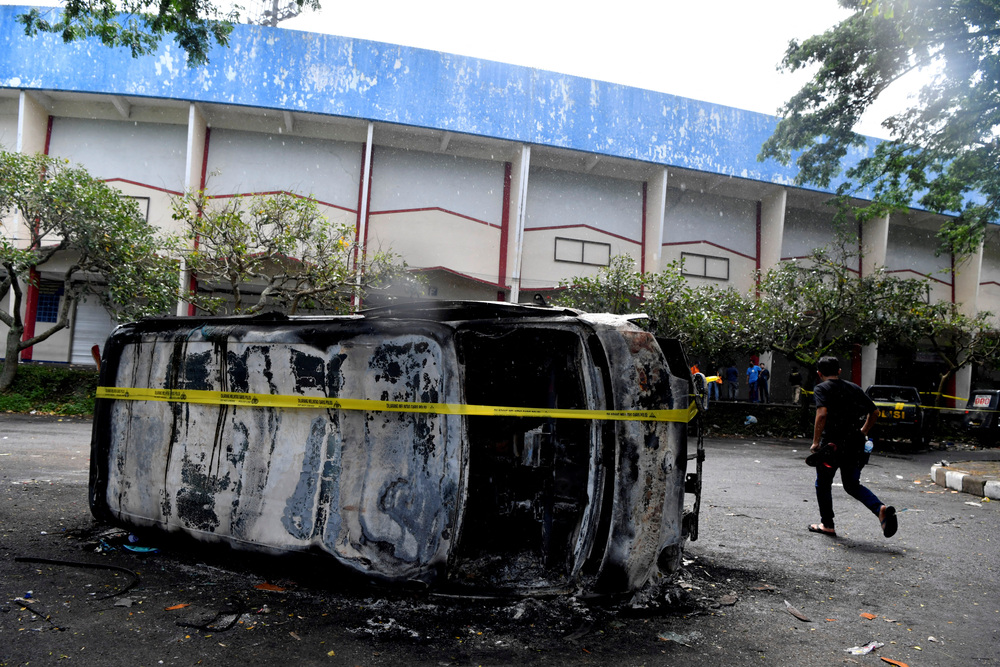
<point>642,242</point>
<point>922,275</point>
<point>504,233</point>
<point>856,364</point>
<point>709,243</point>
<point>30,312</point>
<point>953,282</point>
<point>445,269</point>
<point>861,249</point>
<point>794,257</point>
<point>990,282</point>
<point>291,194</point>
<point>595,229</point>
<point>438,208</point>
<point>48,135</point>
<point>204,160</point>
<point>757,258</point>
<point>142,185</point>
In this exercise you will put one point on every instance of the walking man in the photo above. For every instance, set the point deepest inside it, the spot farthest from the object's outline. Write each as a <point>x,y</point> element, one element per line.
<point>840,406</point>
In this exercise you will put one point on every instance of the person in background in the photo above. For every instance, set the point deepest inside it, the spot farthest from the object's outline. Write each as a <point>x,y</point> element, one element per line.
<point>732,382</point>
<point>753,373</point>
<point>714,383</point>
<point>763,391</point>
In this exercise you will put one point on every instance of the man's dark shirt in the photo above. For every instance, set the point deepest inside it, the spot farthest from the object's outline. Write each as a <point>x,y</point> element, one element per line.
<point>846,406</point>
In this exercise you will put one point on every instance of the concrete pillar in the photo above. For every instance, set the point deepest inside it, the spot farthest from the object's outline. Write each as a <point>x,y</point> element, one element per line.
<point>967,275</point>
<point>518,203</point>
<point>869,363</point>
<point>194,180</point>
<point>656,209</point>
<point>874,246</point>
<point>772,228</point>
<point>32,124</point>
<point>32,137</point>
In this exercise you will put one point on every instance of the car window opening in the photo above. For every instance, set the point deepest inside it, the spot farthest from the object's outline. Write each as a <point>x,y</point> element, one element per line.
<point>528,476</point>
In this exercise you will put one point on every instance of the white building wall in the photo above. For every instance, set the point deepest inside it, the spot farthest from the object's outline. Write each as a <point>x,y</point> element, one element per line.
<point>150,154</point>
<point>569,199</point>
<point>603,216</point>
<point>805,231</point>
<point>8,124</point>
<point>716,227</point>
<point>540,268</point>
<point>911,253</point>
<point>247,162</point>
<point>989,278</point>
<point>438,211</point>
<point>434,238</point>
<point>410,180</point>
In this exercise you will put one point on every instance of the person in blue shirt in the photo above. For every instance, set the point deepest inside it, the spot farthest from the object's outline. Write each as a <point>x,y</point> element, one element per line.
<point>732,382</point>
<point>753,372</point>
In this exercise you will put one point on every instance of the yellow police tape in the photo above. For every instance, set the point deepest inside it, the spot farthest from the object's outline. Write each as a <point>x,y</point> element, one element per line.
<point>285,401</point>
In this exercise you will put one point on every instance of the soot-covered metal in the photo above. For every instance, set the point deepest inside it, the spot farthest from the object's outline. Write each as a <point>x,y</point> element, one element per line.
<point>526,503</point>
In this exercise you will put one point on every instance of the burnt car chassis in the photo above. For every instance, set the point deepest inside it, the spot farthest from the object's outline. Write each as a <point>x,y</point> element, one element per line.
<point>466,447</point>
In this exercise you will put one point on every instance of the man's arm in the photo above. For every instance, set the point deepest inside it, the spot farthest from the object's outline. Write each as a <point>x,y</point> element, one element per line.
<point>869,422</point>
<point>820,425</point>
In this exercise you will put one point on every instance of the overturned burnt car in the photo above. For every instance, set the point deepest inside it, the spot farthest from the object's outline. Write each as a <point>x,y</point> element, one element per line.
<point>461,446</point>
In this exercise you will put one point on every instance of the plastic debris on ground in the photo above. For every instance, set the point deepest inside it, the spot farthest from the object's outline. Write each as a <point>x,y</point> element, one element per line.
<point>683,640</point>
<point>866,649</point>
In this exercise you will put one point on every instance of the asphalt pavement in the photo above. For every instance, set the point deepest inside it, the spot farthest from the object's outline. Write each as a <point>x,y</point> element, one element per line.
<point>756,588</point>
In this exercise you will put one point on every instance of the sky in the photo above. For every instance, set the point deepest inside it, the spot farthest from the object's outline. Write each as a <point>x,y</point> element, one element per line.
<point>721,51</point>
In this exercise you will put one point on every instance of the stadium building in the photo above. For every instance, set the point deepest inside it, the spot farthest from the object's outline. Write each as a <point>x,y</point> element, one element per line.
<point>496,181</point>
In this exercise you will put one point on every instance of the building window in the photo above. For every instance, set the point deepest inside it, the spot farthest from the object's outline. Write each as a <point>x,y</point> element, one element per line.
<point>705,266</point>
<point>48,307</point>
<point>578,251</point>
<point>143,204</point>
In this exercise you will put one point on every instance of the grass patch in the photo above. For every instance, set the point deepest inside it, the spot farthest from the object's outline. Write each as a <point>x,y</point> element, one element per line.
<point>49,389</point>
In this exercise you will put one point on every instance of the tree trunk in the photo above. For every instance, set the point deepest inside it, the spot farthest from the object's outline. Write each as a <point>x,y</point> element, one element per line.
<point>11,354</point>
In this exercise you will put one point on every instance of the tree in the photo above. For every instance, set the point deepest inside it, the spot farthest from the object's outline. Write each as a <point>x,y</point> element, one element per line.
<point>944,152</point>
<point>106,247</point>
<point>820,306</point>
<point>958,340</point>
<point>281,249</point>
<point>711,323</point>
<point>140,25</point>
<point>615,288</point>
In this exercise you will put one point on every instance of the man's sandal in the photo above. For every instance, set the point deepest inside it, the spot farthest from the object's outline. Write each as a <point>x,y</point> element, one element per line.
<point>819,528</point>
<point>889,522</point>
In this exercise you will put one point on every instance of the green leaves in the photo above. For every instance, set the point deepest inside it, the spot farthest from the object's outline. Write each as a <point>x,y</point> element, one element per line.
<point>267,252</point>
<point>105,245</point>
<point>944,150</point>
<point>141,25</point>
<point>805,309</point>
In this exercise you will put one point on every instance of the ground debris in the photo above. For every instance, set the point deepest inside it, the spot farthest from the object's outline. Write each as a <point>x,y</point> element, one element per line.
<point>795,612</point>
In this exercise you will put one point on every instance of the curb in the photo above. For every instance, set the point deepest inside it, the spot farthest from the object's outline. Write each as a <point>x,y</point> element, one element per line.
<point>965,482</point>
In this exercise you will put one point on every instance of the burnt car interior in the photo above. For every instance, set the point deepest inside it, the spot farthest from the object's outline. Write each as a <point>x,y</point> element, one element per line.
<point>528,476</point>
